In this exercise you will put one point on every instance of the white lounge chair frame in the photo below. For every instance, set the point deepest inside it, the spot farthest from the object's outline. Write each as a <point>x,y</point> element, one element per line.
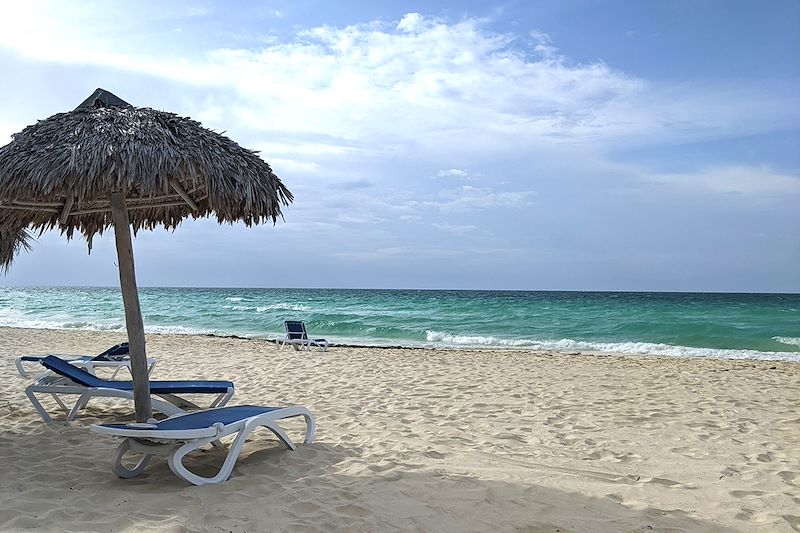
<point>302,343</point>
<point>87,363</point>
<point>298,344</point>
<point>176,444</point>
<point>57,386</point>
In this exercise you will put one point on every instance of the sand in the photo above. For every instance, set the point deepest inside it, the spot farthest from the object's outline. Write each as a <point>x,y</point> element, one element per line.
<point>425,440</point>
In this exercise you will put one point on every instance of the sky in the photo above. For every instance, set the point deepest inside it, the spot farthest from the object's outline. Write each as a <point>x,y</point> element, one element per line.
<point>532,145</point>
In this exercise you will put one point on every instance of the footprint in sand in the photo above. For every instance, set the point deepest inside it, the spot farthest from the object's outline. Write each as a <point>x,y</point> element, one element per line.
<point>511,436</point>
<point>746,493</point>
<point>729,472</point>
<point>666,482</point>
<point>788,477</point>
<point>353,511</point>
<point>794,521</point>
<point>686,451</point>
<point>304,508</point>
<point>433,454</point>
<point>381,468</point>
<point>627,457</point>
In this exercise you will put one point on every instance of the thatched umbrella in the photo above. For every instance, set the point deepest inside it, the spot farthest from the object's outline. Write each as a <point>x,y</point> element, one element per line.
<point>109,164</point>
<point>13,242</point>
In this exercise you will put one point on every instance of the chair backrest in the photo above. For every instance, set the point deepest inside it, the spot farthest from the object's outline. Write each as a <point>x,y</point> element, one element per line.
<point>295,329</point>
<point>78,375</point>
<point>115,353</point>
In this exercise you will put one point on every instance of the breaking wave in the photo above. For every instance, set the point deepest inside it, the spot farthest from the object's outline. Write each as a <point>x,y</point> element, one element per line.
<point>790,341</point>
<point>675,325</point>
<point>445,340</point>
<point>266,308</point>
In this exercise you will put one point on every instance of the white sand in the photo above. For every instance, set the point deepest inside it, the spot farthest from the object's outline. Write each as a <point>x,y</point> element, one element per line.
<point>429,441</point>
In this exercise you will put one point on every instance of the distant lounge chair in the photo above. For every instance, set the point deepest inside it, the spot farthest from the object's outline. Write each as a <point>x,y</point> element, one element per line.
<point>88,386</point>
<point>297,336</point>
<point>117,357</point>
<point>181,434</point>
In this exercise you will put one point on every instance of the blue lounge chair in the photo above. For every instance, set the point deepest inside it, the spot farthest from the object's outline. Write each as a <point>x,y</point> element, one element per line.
<point>81,382</point>
<point>179,435</point>
<point>115,358</point>
<point>297,336</point>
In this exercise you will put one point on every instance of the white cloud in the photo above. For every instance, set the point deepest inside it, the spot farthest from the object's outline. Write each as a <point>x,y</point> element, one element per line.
<point>417,80</point>
<point>457,229</point>
<point>394,252</point>
<point>419,84</point>
<point>6,131</point>
<point>468,198</point>
<point>411,22</point>
<point>292,165</point>
<point>544,44</point>
<point>474,198</point>
<point>346,218</point>
<point>305,148</point>
<point>746,180</point>
<point>454,172</point>
<point>357,119</point>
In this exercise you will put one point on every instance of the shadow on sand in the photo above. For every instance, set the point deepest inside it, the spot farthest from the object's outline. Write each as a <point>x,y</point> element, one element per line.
<point>321,487</point>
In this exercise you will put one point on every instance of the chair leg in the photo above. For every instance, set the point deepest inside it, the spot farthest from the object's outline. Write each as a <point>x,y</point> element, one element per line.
<point>38,406</point>
<point>60,402</point>
<point>223,399</point>
<point>177,401</point>
<point>310,428</point>
<point>281,434</point>
<point>80,404</point>
<point>123,471</point>
<point>175,458</point>
<point>175,462</point>
<point>20,368</point>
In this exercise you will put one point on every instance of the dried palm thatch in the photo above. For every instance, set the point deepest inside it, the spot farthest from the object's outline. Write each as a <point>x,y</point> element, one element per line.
<point>11,243</point>
<point>59,172</point>
<point>109,164</point>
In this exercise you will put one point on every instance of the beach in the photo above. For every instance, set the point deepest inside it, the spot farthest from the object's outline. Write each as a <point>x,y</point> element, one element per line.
<point>427,440</point>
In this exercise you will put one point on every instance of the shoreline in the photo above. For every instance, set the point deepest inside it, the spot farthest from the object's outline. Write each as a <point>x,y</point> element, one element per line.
<point>433,440</point>
<point>779,357</point>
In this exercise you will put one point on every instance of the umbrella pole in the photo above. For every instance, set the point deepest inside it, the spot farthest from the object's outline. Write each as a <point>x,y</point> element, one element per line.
<point>133,313</point>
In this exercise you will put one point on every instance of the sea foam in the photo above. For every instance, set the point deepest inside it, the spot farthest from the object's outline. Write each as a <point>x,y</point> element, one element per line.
<point>15,318</point>
<point>790,341</point>
<point>441,339</point>
<point>696,325</point>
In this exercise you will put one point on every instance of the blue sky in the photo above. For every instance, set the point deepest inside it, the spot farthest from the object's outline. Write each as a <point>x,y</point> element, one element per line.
<point>520,145</point>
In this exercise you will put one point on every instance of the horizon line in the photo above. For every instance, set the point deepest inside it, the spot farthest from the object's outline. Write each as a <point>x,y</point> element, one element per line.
<point>631,291</point>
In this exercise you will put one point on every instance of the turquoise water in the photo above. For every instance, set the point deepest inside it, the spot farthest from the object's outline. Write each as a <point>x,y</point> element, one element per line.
<point>758,326</point>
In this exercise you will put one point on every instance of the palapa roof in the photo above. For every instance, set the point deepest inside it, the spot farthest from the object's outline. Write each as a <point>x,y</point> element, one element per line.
<point>60,172</point>
<point>11,243</point>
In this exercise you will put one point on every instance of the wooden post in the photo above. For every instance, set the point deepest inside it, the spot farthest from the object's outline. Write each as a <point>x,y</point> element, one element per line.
<point>133,313</point>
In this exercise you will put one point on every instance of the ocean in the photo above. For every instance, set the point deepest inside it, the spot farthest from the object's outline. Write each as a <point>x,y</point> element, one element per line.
<point>736,326</point>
